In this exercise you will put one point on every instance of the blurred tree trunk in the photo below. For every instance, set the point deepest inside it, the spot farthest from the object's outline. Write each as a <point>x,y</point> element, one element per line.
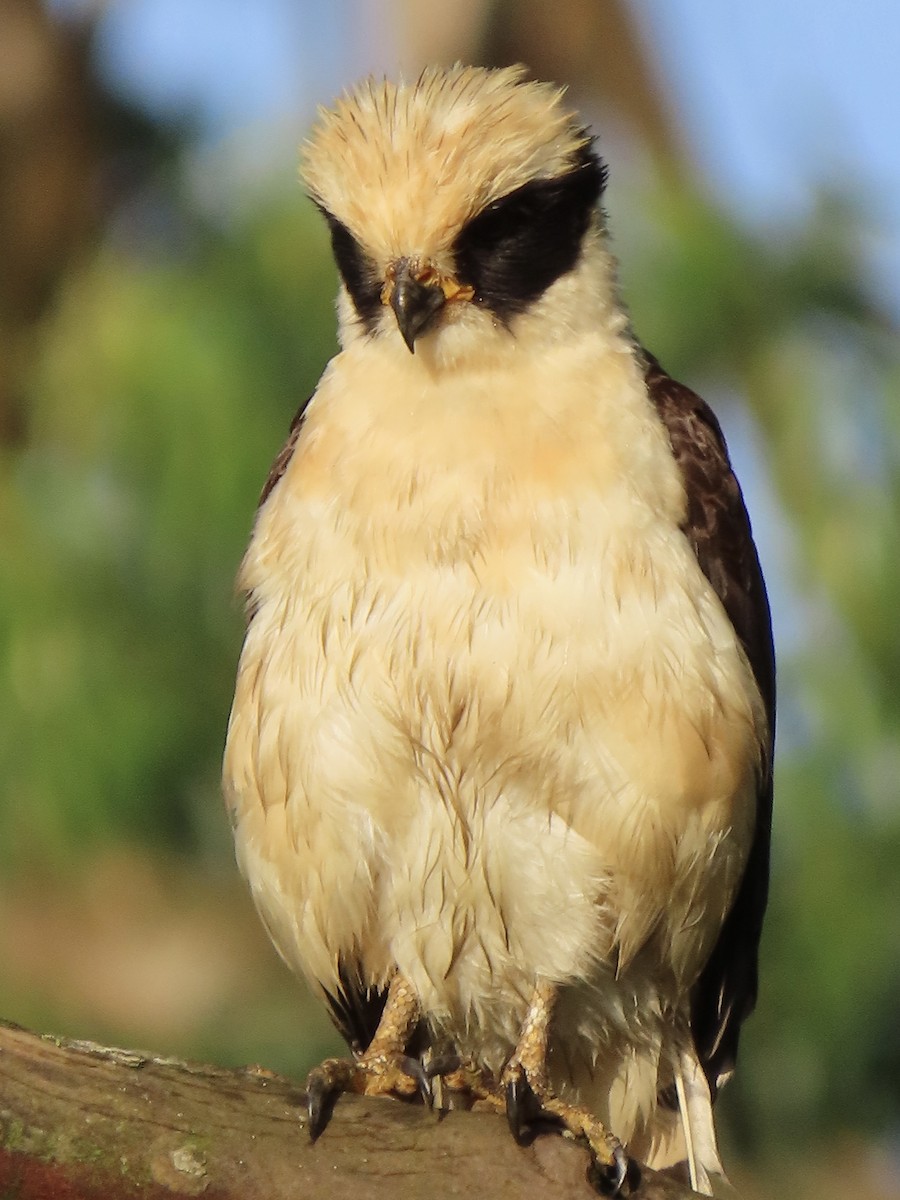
<point>88,1123</point>
<point>70,151</point>
<point>47,165</point>
<point>598,49</point>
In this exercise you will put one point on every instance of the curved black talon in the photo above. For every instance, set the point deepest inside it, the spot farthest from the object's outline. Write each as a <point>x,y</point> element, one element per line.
<point>521,1108</point>
<point>609,1177</point>
<point>416,1070</point>
<point>320,1102</point>
<point>443,1064</point>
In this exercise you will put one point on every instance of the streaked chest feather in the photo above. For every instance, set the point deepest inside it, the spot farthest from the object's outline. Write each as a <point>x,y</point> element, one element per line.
<point>484,661</point>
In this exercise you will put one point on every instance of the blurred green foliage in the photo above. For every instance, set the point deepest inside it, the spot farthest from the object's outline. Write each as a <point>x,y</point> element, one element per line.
<point>164,386</point>
<point>165,381</point>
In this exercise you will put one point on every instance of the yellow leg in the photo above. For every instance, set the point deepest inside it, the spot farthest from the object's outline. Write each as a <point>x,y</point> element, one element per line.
<point>525,1080</point>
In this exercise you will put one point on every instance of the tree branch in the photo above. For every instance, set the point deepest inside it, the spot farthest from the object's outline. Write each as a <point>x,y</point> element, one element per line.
<point>85,1122</point>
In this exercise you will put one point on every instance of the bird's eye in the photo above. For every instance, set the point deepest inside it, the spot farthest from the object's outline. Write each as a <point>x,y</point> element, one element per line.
<point>508,219</point>
<point>358,271</point>
<point>516,247</point>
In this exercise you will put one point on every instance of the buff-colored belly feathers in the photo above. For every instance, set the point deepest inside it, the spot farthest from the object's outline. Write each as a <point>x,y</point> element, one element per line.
<point>490,722</point>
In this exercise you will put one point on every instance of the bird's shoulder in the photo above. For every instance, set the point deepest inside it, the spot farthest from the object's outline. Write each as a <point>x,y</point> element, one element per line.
<point>285,454</point>
<point>716,522</point>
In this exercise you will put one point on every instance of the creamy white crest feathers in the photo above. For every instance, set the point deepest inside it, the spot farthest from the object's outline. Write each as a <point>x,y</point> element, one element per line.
<point>404,166</point>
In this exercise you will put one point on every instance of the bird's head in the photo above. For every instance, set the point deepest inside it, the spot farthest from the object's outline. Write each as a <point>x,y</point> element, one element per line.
<point>459,207</point>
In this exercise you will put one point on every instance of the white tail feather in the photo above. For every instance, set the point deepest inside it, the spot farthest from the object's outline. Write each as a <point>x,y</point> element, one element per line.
<point>686,1127</point>
<point>695,1106</point>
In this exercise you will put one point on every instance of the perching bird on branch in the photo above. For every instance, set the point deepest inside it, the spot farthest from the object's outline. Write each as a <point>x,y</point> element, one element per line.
<point>499,762</point>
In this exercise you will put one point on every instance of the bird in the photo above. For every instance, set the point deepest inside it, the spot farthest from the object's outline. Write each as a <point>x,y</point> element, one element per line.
<point>499,761</point>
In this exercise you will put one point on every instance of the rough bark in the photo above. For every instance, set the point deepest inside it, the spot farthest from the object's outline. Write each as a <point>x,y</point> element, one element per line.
<point>84,1122</point>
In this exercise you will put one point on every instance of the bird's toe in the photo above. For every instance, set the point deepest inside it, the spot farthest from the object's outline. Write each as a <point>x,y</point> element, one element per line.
<point>323,1086</point>
<point>371,1075</point>
<point>532,1107</point>
<point>609,1170</point>
<point>522,1106</point>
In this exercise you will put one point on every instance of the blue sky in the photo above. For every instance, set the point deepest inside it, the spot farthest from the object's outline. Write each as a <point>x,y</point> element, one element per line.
<point>781,96</point>
<point>780,93</point>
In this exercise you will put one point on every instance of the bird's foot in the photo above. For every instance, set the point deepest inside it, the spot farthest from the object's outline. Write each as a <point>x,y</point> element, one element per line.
<point>375,1074</point>
<point>468,1084</point>
<point>384,1070</point>
<point>531,1105</point>
<point>531,1102</point>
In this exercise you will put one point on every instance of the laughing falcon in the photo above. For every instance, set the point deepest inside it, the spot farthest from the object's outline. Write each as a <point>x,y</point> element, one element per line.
<point>499,761</point>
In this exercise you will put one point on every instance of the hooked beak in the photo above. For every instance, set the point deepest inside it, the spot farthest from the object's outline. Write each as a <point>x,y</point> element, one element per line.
<point>416,297</point>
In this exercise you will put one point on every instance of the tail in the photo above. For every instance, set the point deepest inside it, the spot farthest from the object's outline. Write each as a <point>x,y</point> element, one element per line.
<point>688,1135</point>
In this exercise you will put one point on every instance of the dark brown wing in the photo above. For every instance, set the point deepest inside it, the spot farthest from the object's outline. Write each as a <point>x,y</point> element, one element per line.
<point>718,528</point>
<point>279,466</point>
